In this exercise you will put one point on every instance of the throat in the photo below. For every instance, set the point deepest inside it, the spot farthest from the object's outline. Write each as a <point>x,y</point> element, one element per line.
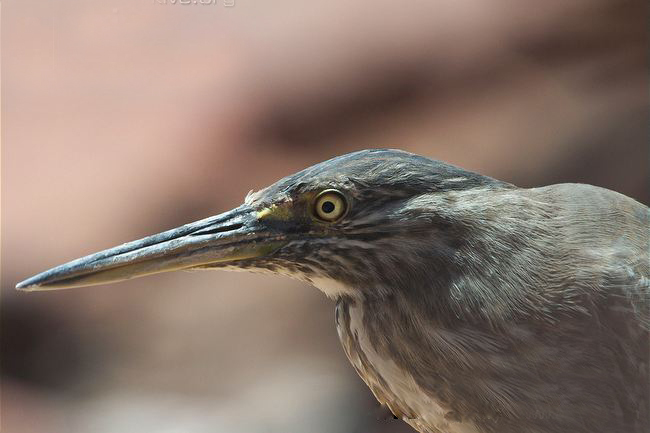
<point>332,288</point>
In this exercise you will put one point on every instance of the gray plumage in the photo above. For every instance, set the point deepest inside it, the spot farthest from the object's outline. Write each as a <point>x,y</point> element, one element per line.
<point>465,303</point>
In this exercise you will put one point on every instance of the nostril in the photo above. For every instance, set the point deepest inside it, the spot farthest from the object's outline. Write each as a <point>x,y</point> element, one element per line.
<point>221,229</point>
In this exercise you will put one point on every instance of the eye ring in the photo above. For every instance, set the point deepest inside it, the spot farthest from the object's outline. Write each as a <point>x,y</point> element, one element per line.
<point>330,205</point>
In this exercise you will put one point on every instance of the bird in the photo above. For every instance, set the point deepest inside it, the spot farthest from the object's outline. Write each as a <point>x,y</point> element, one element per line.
<point>466,304</point>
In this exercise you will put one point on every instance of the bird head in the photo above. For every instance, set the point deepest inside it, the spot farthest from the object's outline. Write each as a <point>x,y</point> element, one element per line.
<point>359,223</point>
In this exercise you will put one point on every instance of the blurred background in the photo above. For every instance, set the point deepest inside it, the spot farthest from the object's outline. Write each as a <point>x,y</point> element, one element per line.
<point>125,118</point>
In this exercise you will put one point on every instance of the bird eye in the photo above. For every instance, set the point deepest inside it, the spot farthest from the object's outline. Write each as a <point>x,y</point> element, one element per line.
<point>330,205</point>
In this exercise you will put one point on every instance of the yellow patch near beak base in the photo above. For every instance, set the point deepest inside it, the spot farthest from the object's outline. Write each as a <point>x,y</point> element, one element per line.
<point>275,212</point>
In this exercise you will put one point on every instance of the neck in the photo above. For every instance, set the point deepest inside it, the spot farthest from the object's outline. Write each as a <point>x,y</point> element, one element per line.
<point>467,239</point>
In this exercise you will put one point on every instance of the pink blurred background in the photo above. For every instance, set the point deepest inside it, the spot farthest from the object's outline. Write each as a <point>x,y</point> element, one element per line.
<point>124,118</point>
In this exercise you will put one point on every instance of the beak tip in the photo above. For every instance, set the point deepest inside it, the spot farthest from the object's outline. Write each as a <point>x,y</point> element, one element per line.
<point>27,286</point>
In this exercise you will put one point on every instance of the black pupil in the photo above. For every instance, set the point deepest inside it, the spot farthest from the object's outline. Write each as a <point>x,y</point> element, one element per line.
<point>328,207</point>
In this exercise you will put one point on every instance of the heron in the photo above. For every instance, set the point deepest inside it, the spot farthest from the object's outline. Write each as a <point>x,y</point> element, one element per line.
<point>466,304</point>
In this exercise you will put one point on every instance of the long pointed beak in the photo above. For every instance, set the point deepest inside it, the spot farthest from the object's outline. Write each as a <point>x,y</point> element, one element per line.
<point>229,237</point>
